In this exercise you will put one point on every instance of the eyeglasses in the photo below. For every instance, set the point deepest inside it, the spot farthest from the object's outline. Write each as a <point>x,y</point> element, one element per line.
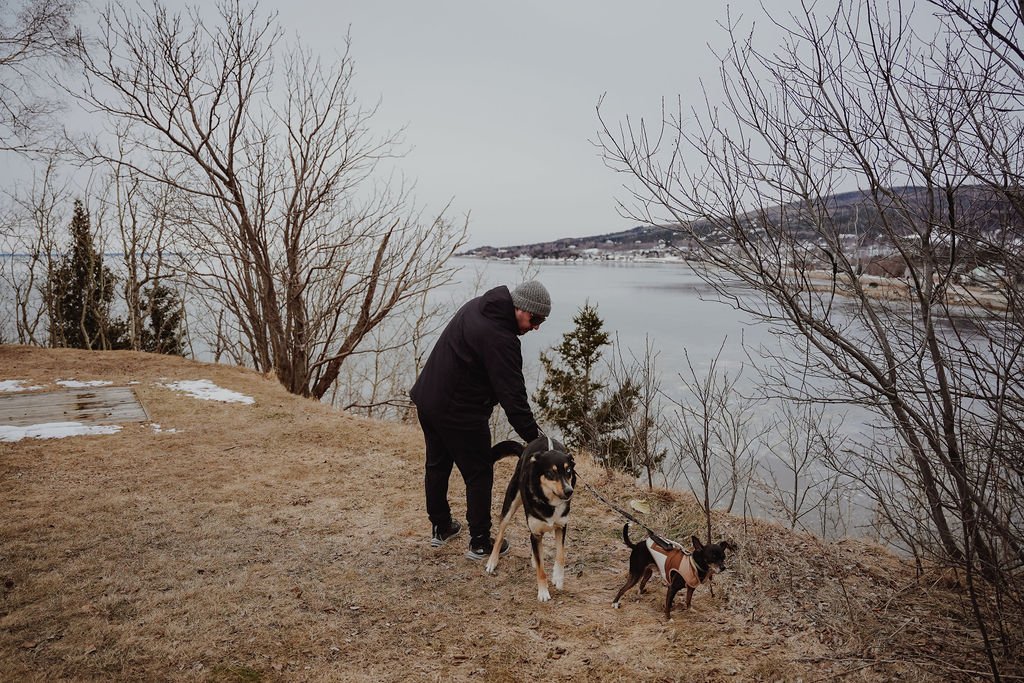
<point>536,320</point>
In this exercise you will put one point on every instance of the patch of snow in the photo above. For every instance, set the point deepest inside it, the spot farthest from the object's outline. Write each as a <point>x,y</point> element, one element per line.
<point>158,429</point>
<point>208,391</point>
<point>15,385</point>
<point>53,430</point>
<point>80,384</point>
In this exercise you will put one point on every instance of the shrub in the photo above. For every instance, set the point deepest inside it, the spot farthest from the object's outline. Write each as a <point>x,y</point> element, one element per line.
<point>590,413</point>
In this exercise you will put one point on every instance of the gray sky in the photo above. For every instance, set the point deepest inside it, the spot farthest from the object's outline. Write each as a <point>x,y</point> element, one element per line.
<point>499,98</point>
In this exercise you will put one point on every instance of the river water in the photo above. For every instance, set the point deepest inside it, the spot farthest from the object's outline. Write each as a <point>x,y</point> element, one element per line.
<point>665,303</point>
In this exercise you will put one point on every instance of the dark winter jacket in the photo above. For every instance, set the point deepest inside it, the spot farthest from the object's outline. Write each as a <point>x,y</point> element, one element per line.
<point>476,364</point>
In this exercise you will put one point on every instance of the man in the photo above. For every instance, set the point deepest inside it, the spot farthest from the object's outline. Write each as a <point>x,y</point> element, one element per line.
<point>476,364</point>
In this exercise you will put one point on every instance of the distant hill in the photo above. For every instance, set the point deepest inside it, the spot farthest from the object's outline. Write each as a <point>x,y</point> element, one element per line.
<point>640,237</point>
<point>851,212</point>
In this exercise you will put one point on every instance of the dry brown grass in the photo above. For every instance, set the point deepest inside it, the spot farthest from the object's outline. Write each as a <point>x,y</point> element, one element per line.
<point>285,541</point>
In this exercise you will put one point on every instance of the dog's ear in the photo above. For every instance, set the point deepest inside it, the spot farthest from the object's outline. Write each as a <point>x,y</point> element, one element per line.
<point>697,545</point>
<point>730,546</point>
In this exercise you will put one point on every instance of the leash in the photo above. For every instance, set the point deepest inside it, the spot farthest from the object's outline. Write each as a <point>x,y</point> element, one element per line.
<point>654,534</point>
<point>695,569</point>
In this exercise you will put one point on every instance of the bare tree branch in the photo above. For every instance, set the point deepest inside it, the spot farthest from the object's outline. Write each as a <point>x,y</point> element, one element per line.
<point>867,288</point>
<point>298,250</point>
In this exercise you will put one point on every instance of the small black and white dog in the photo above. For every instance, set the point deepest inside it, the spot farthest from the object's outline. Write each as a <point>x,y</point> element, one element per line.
<point>677,568</point>
<point>542,484</point>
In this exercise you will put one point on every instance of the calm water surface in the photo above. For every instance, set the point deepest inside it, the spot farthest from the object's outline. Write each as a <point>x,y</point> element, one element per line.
<point>664,302</point>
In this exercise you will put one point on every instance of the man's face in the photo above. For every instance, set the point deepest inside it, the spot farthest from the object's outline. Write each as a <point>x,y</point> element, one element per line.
<point>528,321</point>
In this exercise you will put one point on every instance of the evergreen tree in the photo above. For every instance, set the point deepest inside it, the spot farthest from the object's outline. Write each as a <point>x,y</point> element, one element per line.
<point>590,414</point>
<point>165,329</point>
<point>81,289</point>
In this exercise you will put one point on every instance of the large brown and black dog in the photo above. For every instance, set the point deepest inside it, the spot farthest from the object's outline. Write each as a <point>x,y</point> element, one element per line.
<point>542,484</point>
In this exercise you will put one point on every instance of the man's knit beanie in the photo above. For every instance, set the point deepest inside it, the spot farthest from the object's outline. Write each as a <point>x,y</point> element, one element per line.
<point>532,297</point>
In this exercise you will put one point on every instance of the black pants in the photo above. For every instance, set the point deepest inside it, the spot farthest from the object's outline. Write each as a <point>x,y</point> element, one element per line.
<point>469,450</point>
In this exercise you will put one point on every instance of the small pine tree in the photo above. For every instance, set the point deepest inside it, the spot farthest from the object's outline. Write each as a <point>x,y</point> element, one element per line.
<point>81,289</point>
<point>588,412</point>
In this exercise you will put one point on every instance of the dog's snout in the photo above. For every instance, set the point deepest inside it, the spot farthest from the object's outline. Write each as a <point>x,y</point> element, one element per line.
<point>567,489</point>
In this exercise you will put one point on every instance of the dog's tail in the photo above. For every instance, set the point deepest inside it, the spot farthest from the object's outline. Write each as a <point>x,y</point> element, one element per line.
<point>506,449</point>
<point>625,535</point>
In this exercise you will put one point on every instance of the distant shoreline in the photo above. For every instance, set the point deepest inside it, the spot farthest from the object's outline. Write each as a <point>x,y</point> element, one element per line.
<point>895,289</point>
<point>875,286</point>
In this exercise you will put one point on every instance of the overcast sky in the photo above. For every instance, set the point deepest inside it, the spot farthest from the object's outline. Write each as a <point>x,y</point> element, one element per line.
<point>499,98</point>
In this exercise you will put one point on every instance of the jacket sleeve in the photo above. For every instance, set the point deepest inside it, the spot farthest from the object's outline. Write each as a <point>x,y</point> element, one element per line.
<point>503,361</point>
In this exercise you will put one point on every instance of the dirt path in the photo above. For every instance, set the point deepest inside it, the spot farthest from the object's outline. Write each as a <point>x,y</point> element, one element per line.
<point>284,541</point>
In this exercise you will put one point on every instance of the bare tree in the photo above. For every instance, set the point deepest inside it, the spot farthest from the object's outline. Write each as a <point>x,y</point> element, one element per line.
<point>798,480</point>
<point>33,33</point>
<point>300,252</point>
<point>36,219</point>
<point>142,213</point>
<point>714,437</point>
<point>643,430</point>
<point>929,132</point>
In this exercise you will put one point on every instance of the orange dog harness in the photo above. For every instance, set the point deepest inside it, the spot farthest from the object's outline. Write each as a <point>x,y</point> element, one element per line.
<point>674,560</point>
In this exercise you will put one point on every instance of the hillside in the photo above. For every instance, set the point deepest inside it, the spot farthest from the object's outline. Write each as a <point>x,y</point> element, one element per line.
<point>849,212</point>
<point>284,541</point>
